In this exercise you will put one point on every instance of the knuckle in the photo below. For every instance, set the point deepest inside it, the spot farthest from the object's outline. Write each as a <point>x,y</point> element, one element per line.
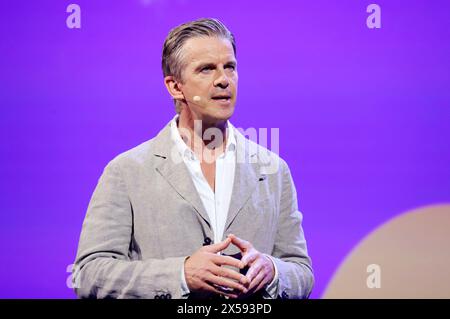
<point>223,273</point>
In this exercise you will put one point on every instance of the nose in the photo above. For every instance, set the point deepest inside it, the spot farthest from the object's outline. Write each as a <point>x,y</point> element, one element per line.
<point>222,80</point>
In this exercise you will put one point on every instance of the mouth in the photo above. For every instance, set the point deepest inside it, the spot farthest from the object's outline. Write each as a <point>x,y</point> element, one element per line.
<point>221,97</point>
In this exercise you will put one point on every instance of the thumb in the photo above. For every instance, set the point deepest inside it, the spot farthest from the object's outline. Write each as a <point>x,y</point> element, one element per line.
<point>215,248</point>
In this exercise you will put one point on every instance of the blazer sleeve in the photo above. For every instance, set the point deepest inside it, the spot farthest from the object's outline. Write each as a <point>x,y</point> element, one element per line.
<point>103,267</point>
<point>290,253</point>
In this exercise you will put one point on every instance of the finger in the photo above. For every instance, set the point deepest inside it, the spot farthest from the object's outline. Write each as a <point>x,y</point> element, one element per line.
<point>242,244</point>
<point>215,248</point>
<point>263,283</point>
<point>253,271</point>
<point>231,274</point>
<point>255,285</point>
<point>227,260</point>
<point>250,257</point>
<point>226,283</point>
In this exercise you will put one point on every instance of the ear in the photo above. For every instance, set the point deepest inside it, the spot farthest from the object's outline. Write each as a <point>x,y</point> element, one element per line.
<point>173,87</point>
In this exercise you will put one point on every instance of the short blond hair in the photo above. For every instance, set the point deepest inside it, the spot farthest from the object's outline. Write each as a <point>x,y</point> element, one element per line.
<point>172,63</point>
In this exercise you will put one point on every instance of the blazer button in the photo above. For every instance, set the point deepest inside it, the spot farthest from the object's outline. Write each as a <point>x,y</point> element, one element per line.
<point>207,241</point>
<point>284,295</point>
<point>157,297</point>
<point>168,296</point>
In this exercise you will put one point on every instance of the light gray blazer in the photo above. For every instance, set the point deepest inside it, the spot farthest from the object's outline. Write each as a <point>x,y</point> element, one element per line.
<point>145,217</point>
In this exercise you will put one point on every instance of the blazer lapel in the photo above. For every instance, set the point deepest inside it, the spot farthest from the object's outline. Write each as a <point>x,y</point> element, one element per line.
<point>175,172</point>
<point>247,176</point>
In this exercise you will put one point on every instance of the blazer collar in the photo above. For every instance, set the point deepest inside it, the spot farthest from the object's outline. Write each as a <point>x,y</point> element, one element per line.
<point>174,171</point>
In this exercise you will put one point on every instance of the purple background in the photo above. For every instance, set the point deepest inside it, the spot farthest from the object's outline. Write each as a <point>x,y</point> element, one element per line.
<point>363,114</point>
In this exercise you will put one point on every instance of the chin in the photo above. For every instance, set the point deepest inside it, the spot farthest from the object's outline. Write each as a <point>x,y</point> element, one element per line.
<point>214,117</point>
<point>218,113</point>
<point>226,114</point>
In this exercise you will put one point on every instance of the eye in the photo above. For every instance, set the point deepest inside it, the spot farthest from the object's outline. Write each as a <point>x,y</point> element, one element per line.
<point>206,69</point>
<point>231,67</point>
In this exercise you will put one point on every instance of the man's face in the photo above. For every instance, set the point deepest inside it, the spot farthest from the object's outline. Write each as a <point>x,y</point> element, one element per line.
<point>209,73</point>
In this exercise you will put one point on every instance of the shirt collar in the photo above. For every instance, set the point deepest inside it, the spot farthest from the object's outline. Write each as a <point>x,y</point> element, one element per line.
<point>184,149</point>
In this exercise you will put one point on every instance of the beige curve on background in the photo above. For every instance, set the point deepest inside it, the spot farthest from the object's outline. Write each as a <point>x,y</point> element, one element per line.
<point>412,252</point>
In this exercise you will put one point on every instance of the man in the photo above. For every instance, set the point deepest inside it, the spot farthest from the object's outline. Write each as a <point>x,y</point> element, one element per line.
<point>188,215</point>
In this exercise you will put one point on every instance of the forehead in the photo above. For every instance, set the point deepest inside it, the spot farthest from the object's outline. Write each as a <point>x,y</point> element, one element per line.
<point>207,49</point>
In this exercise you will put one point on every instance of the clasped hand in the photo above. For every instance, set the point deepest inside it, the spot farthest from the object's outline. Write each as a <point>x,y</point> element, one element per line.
<point>204,271</point>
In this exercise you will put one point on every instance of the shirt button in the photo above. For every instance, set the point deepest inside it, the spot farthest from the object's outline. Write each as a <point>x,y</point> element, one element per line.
<point>207,241</point>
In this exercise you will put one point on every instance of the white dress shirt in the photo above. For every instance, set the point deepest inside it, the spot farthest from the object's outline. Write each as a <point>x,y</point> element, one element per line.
<point>216,202</point>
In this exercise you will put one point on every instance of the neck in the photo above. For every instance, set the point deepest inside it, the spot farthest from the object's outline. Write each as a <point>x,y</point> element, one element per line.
<point>202,133</point>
